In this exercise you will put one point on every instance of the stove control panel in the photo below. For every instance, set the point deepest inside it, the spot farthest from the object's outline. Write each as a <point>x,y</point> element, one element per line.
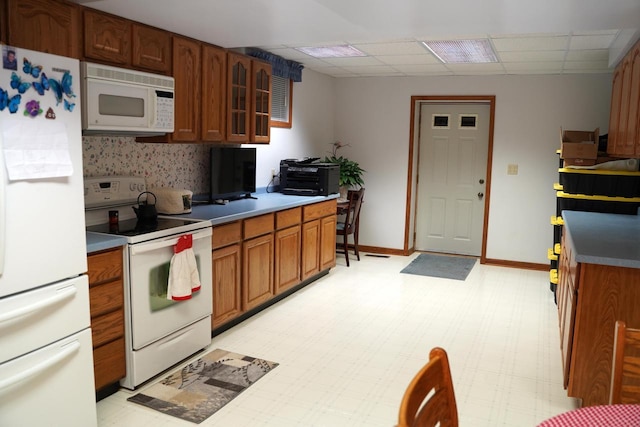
<point>100,192</point>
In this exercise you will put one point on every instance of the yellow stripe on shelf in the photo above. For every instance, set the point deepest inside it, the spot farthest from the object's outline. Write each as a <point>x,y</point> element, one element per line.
<point>551,256</point>
<point>599,172</point>
<point>600,198</point>
<point>557,186</point>
<point>556,248</point>
<point>557,220</point>
<point>553,276</point>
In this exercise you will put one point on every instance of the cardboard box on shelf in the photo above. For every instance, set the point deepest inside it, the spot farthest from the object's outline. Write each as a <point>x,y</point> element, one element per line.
<point>578,144</point>
<point>578,162</point>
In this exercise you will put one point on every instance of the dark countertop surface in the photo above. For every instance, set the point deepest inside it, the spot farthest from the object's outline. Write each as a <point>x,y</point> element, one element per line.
<point>603,238</point>
<point>220,214</point>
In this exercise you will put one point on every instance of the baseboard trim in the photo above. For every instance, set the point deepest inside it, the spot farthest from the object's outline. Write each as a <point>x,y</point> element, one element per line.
<point>517,264</point>
<point>488,261</point>
<point>383,251</point>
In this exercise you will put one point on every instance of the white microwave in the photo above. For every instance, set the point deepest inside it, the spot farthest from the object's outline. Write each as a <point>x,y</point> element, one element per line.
<point>118,101</point>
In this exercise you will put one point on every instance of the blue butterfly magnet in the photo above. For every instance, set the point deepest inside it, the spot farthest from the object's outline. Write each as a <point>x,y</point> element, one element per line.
<point>11,102</point>
<point>33,70</point>
<point>69,105</point>
<point>18,84</point>
<point>42,85</point>
<point>62,87</point>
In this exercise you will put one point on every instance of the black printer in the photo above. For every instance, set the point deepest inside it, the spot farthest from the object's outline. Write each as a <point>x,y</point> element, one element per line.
<point>308,177</point>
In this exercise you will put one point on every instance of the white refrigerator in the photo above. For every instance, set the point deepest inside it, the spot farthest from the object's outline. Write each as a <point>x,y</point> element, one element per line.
<point>46,359</point>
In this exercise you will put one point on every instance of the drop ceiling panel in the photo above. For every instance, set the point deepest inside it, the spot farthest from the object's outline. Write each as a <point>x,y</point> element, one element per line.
<point>530,43</point>
<point>578,33</point>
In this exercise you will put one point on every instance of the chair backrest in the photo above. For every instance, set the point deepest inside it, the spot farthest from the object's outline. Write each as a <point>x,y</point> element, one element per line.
<point>355,198</point>
<point>430,399</point>
<point>625,372</point>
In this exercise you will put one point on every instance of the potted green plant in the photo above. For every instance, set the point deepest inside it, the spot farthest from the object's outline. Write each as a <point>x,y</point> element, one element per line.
<point>350,171</point>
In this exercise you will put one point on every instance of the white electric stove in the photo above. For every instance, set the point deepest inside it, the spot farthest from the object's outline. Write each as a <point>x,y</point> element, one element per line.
<point>159,332</point>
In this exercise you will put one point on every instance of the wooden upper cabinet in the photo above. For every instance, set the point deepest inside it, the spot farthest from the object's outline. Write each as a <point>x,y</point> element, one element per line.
<point>260,130</point>
<point>214,93</point>
<point>44,25</point>
<point>633,120</point>
<point>624,119</point>
<point>614,117</point>
<point>107,37</point>
<point>151,48</point>
<point>186,72</point>
<point>238,97</point>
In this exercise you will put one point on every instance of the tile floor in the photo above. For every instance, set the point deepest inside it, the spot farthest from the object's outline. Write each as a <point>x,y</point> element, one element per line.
<point>349,343</point>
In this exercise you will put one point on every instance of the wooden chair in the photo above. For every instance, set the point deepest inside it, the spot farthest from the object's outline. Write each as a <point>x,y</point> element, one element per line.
<point>351,224</point>
<point>430,399</point>
<point>625,371</point>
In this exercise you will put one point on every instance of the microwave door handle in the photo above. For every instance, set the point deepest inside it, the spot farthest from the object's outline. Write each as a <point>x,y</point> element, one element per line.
<point>153,113</point>
<point>155,245</point>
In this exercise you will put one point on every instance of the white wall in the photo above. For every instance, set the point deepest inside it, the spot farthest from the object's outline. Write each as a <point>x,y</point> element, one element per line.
<point>312,130</point>
<point>373,116</point>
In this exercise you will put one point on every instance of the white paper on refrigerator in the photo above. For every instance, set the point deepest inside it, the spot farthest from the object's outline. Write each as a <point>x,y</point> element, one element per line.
<point>35,152</point>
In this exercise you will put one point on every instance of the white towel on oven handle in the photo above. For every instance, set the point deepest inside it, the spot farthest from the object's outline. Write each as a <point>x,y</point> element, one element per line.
<point>183,275</point>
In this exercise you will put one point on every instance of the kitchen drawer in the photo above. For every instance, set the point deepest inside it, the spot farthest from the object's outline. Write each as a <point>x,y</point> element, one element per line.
<point>105,298</point>
<point>107,328</point>
<point>105,266</point>
<point>288,218</point>
<point>109,364</point>
<point>226,234</point>
<point>318,210</point>
<point>258,225</point>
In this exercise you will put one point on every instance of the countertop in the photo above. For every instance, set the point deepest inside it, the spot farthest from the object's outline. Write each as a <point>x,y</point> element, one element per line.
<point>220,214</point>
<point>244,208</point>
<point>100,242</point>
<point>603,238</point>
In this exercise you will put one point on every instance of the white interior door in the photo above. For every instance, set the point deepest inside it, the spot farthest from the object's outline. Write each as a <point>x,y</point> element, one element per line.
<point>452,171</point>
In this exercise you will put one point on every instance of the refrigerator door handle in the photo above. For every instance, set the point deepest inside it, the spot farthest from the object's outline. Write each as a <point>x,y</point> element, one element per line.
<point>63,294</point>
<point>66,351</point>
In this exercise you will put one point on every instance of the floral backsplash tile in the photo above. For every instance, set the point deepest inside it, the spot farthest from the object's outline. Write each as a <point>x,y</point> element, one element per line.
<point>181,166</point>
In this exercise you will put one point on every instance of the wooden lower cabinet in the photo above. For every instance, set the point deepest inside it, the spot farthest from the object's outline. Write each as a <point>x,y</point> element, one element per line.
<point>592,297</point>
<point>226,285</point>
<point>257,271</point>
<point>258,258</point>
<point>287,258</point>
<point>310,248</point>
<point>328,242</point>
<point>318,237</point>
<point>227,266</point>
<point>106,298</point>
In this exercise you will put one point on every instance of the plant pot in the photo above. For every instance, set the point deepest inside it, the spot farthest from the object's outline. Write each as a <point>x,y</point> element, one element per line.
<point>344,190</point>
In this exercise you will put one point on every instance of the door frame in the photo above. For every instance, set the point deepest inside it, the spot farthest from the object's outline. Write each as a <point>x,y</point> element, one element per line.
<point>413,158</point>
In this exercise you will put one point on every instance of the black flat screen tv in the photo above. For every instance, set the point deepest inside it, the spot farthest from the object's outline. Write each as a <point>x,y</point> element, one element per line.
<point>233,173</point>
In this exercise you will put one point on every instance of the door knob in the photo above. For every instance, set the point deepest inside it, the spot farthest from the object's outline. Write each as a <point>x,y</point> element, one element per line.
<point>481,181</point>
<point>480,196</point>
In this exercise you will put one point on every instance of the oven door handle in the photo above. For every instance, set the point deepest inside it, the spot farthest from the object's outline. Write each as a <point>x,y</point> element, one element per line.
<point>154,245</point>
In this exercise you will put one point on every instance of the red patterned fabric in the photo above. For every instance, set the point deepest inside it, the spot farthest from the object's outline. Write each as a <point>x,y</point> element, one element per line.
<point>597,416</point>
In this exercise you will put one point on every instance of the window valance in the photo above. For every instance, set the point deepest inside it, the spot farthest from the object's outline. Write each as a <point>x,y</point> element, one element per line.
<point>279,66</point>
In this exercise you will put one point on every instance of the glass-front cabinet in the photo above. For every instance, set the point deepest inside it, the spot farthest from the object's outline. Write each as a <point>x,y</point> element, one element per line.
<point>260,130</point>
<point>238,89</point>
